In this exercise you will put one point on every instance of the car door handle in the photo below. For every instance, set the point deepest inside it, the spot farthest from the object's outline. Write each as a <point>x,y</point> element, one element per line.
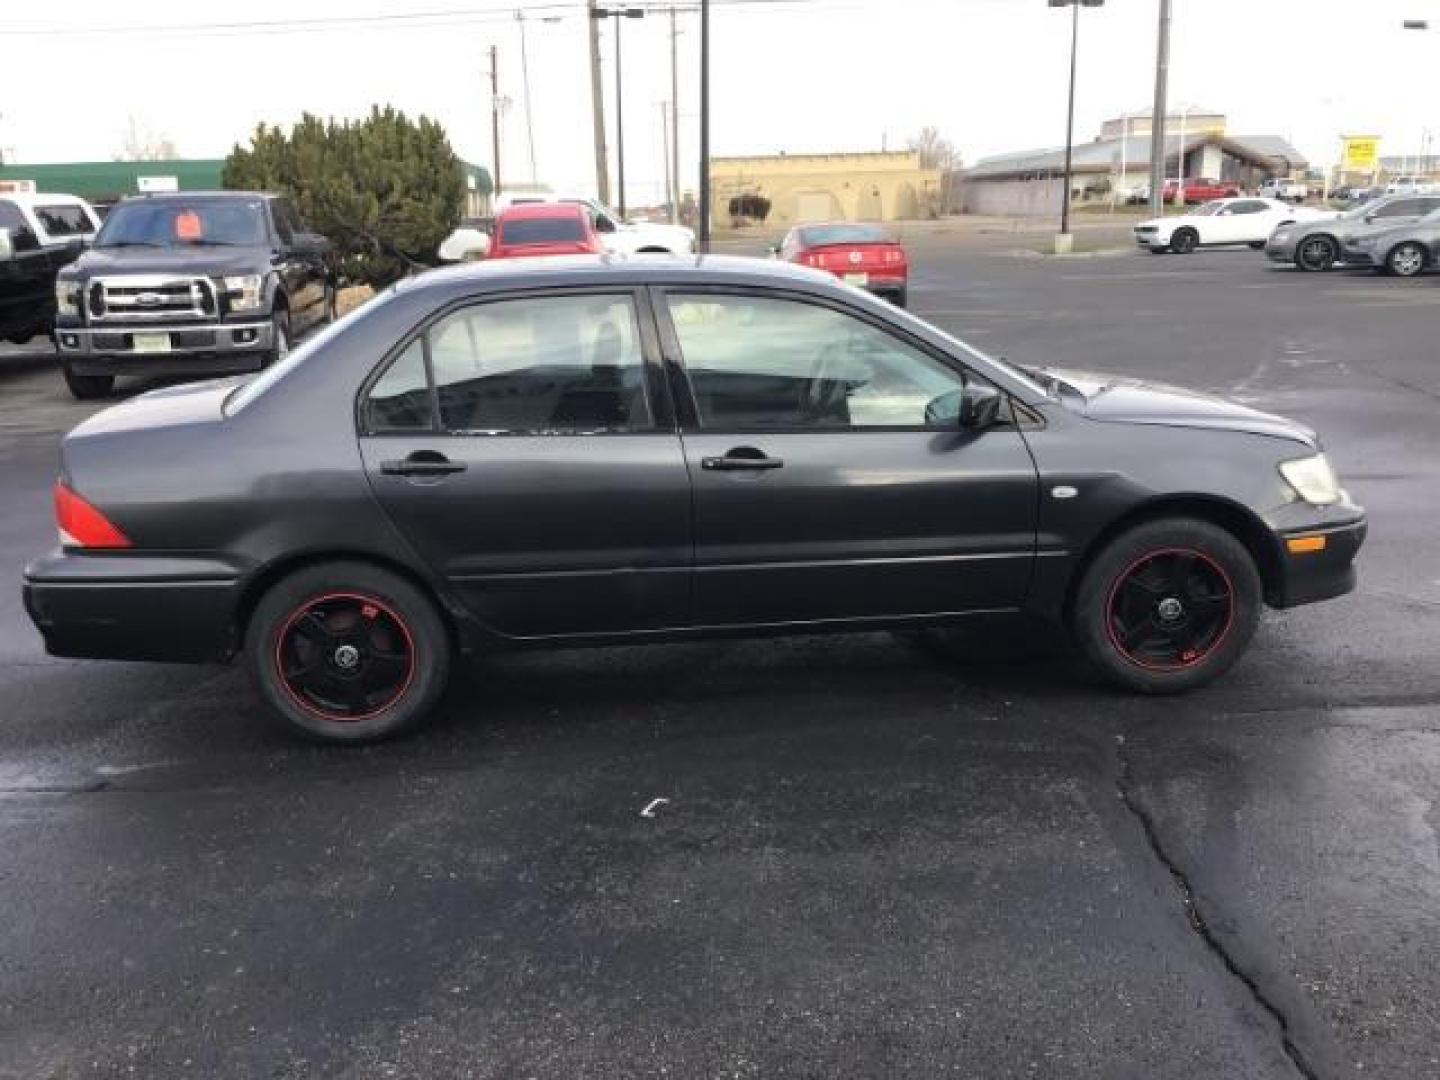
<point>741,458</point>
<point>422,463</point>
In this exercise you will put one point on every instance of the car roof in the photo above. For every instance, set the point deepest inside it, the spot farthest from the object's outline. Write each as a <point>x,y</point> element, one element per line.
<point>541,210</point>
<point>502,274</point>
<point>182,196</point>
<point>42,198</point>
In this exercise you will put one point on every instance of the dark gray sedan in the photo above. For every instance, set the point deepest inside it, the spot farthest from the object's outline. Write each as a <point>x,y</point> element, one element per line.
<point>1317,246</point>
<point>576,452</point>
<point>1402,250</point>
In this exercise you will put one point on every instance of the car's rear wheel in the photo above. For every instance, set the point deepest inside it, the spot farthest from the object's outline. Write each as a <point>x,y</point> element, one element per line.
<point>1184,241</point>
<point>1316,254</point>
<point>347,652</point>
<point>88,387</point>
<point>1406,260</point>
<point>1168,605</point>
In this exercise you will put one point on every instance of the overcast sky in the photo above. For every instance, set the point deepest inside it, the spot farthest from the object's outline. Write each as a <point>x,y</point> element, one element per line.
<point>797,75</point>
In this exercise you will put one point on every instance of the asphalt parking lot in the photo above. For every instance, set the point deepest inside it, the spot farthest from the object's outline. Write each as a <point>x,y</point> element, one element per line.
<point>871,860</point>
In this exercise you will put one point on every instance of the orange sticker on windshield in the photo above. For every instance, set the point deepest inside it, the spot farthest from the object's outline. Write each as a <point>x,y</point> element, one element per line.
<point>188,226</point>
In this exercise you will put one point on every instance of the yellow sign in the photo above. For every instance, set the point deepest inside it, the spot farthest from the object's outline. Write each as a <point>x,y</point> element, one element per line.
<point>1362,153</point>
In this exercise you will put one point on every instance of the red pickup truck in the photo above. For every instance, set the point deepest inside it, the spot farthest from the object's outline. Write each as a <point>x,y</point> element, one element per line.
<point>1199,190</point>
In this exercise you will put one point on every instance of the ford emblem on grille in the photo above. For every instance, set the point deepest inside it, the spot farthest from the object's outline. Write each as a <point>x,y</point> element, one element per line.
<point>148,299</point>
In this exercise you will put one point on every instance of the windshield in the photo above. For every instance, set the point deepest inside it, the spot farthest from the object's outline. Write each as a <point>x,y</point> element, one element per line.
<point>185,223</point>
<point>825,235</point>
<point>1363,209</point>
<point>548,230</point>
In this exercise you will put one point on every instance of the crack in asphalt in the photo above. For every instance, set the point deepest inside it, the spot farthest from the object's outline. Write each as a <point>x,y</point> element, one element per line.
<point>1125,788</point>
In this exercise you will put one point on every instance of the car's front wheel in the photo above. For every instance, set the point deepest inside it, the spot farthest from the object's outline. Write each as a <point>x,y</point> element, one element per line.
<point>1184,241</point>
<point>279,336</point>
<point>347,652</point>
<point>1168,605</point>
<point>1316,254</point>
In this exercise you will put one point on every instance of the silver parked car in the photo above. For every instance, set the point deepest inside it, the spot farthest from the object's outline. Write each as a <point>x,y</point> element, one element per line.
<point>1318,246</point>
<point>1402,250</point>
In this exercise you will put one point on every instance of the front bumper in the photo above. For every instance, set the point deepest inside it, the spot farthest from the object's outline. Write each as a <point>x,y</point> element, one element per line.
<point>1151,239</point>
<point>119,606</point>
<point>1283,251</point>
<point>1318,575</point>
<point>191,348</point>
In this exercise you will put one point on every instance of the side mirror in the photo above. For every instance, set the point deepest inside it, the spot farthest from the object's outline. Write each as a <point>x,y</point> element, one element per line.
<point>604,224</point>
<point>979,406</point>
<point>974,408</point>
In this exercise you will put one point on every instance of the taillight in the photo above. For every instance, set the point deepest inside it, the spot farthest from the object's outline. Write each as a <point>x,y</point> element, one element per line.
<point>81,525</point>
<point>812,258</point>
<point>894,256</point>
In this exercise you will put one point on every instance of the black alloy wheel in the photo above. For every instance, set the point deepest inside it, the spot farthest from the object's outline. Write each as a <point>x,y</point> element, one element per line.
<point>1168,605</point>
<point>347,652</point>
<point>1316,254</point>
<point>1185,241</point>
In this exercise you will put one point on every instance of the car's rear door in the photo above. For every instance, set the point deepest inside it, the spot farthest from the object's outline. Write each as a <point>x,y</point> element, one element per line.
<point>521,445</point>
<point>826,484</point>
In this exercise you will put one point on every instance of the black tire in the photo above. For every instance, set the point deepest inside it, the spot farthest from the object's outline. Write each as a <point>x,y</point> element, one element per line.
<point>280,331</point>
<point>901,298</point>
<point>1206,597</point>
<point>1406,259</point>
<point>1184,241</point>
<point>369,651</point>
<point>88,387</point>
<point>1316,254</point>
<point>331,303</point>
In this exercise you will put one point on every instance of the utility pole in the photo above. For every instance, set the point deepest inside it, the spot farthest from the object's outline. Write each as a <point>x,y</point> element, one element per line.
<point>665,141</point>
<point>704,125</point>
<point>619,126</point>
<point>597,103</point>
<point>495,116</point>
<point>525,76</point>
<point>674,120</point>
<point>1157,113</point>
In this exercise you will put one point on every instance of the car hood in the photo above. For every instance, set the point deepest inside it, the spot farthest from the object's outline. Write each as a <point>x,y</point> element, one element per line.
<point>204,261</point>
<point>1111,399</point>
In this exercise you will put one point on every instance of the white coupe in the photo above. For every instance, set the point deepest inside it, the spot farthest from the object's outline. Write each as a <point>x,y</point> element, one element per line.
<point>1224,221</point>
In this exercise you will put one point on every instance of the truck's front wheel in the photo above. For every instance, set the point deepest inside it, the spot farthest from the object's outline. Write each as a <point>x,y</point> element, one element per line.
<point>279,336</point>
<point>88,387</point>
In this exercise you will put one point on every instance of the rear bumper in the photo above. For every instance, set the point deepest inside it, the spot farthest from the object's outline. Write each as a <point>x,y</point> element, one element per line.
<point>194,349</point>
<point>1319,575</point>
<point>124,607</point>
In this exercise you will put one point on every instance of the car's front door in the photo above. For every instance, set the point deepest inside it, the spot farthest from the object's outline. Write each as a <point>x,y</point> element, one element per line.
<point>522,448</point>
<point>830,478</point>
<point>1243,221</point>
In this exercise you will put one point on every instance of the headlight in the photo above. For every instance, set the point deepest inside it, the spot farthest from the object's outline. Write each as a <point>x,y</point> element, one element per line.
<point>244,292</point>
<point>67,298</point>
<point>1313,479</point>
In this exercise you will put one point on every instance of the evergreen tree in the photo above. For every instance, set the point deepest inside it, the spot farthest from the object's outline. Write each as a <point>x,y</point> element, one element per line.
<point>386,190</point>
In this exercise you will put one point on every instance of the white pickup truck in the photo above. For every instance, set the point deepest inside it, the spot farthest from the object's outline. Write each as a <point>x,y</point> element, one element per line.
<point>1286,190</point>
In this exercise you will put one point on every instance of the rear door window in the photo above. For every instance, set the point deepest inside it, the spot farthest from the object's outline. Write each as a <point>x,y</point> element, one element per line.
<point>64,220</point>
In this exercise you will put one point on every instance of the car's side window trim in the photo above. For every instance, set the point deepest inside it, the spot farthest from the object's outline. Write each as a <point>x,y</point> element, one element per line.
<point>687,408</point>
<point>657,393</point>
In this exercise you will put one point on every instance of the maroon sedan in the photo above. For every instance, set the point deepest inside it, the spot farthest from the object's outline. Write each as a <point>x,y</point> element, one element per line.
<point>864,255</point>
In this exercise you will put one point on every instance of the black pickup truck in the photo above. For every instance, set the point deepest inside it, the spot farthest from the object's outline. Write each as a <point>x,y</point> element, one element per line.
<point>27,291</point>
<point>198,285</point>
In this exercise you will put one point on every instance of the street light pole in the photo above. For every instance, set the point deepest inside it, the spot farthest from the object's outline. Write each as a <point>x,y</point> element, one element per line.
<point>617,14</point>
<point>1157,113</point>
<point>1063,241</point>
<point>704,189</point>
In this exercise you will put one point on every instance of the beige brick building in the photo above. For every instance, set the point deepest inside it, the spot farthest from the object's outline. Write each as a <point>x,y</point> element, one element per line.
<point>885,186</point>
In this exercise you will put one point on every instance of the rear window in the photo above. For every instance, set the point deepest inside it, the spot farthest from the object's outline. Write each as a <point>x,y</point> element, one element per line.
<point>564,230</point>
<point>823,235</point>
<point>64,220</point>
